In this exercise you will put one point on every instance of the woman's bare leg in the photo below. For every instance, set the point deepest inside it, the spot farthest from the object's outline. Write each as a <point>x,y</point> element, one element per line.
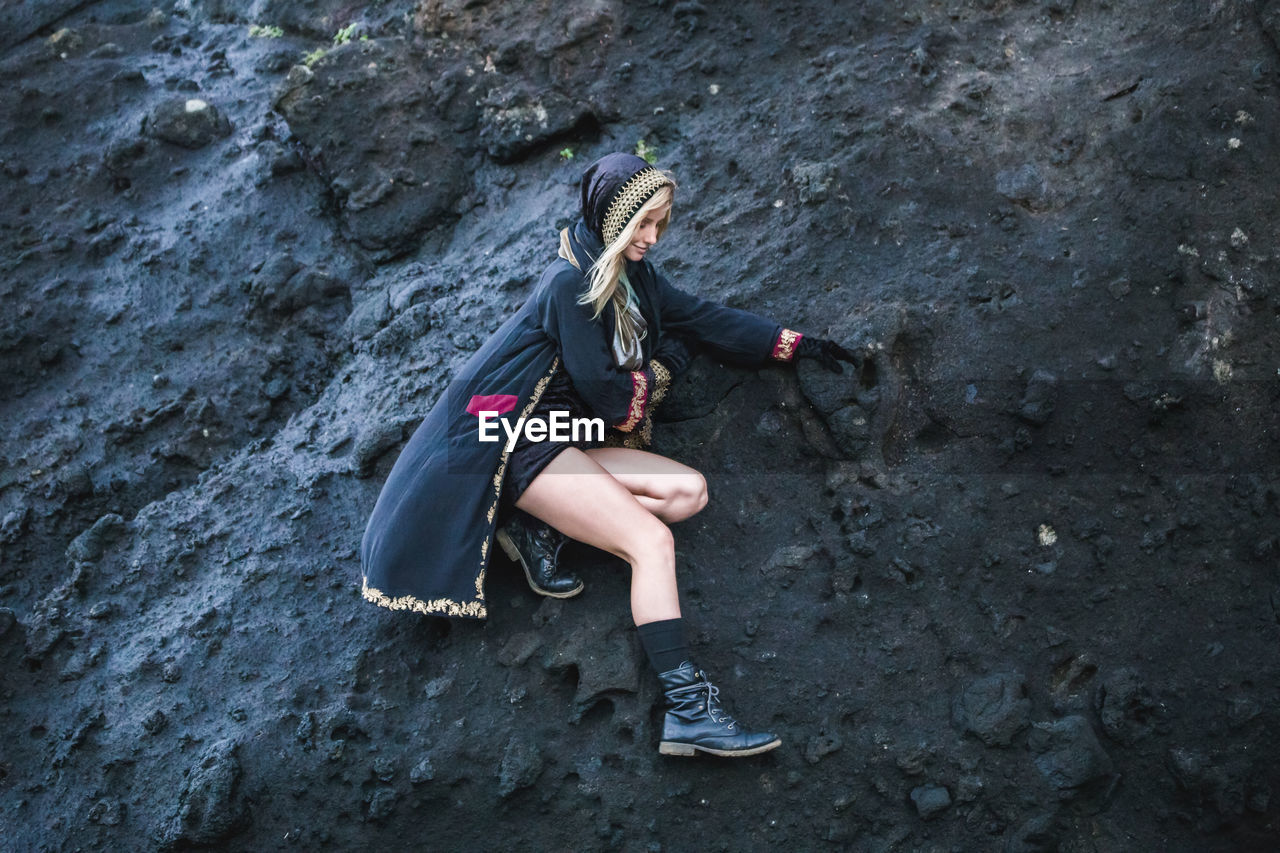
<point>584,501</point>
<point>668,489</point>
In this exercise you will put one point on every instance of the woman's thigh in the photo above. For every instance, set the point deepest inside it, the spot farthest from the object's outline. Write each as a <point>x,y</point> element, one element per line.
<point>670,490</point>
<point>582,499</point>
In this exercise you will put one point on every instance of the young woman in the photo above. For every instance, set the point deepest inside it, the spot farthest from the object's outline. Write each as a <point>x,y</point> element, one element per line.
<point>600,337</point>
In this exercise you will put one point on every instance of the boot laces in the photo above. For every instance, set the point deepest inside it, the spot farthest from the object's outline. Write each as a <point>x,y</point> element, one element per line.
<point>711,701</point>
<point>714,709</point>
<point>549,541</point>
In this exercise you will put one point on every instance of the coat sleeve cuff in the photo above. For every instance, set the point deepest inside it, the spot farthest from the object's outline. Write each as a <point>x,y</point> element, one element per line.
<point>641,384</point>
<point>784,348</point>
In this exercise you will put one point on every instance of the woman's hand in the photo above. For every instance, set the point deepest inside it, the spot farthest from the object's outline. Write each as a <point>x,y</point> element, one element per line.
<point>829,354</point>
<point>674,354</point>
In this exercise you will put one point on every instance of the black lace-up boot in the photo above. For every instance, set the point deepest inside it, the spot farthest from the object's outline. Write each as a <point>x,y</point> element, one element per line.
<point>696,721</point>
<point>536,546</point>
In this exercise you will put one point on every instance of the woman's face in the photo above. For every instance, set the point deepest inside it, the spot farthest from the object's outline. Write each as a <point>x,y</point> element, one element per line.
<point>647,234</point>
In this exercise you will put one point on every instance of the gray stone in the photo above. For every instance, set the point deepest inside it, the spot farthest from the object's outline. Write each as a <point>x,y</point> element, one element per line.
<point>382,804</point>
<point>828,392</point>
<point>1119,288</point>
<point>1125,707</point>
<point>189,122</point>
<point>374,441</point>
<point>311,286</point>
<point>106,243</point>
<point>155,722</point>
<point>788,557</point>
<point>370,315</point>
<point>91,544</point>
<point>969,788</point>
<point>813,181</point>
<point>123,153</point>
<point>284,286</point>
<point>211,808</point>
<point>404,330</point>
<point>822,745</point>
<point>1023,186</point>
<point>521,764</point>
<point>517,119</point>
<point>994,708</point>
<point>1071,684</point>
<point>15,521</point>
<point>422,772</point>
<point>107,812</point>
<point>931,800</point>
<point>851,429</point>
<point>1068,753</point>
<point>1039,398</point>
<point>1220,780</point>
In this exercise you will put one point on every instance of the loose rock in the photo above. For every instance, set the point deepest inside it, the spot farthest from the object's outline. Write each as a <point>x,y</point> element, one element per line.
<point>1039,398</point>
<point>1024,186</point>
<point>521,765</point>
<point>89,546</point>
<point>995,708</point>
<point>1125,707</point>
<point>189,122</point>
<point>1068,753</point>
<point>931,800</point>
<point>517,120</point>
<point>211,808</point>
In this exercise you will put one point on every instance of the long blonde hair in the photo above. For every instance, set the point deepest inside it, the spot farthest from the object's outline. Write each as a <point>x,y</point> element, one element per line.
<point>602,278</point>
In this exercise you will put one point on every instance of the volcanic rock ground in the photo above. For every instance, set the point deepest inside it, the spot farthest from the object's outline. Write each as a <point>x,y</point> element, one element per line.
<point>1014,587</point>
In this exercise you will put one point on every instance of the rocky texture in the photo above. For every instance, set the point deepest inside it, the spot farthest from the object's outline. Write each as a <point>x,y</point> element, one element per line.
<point>1012,587</point>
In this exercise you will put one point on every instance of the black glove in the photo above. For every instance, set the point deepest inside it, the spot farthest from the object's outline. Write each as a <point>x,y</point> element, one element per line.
<point>827,353</point>
<point>674,354</point>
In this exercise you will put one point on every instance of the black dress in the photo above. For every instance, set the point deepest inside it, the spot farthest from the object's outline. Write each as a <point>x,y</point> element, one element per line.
<point>528,458</point>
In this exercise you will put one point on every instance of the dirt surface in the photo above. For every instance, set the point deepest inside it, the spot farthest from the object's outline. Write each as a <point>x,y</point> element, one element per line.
<point>1013,588</point>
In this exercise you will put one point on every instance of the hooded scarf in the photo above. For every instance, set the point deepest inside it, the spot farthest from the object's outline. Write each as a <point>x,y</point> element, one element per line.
<point>613,189</point>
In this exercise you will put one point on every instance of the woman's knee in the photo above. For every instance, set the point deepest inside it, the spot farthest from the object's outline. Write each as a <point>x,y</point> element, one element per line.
<point>648,542</point>
<point>700,497</point>
<point>688,497</point>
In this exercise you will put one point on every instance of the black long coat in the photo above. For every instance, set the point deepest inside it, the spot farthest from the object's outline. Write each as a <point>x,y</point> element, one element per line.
<point>428,541</point>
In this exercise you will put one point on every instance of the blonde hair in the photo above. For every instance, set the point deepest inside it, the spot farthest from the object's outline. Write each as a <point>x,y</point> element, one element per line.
<point>602,278</point>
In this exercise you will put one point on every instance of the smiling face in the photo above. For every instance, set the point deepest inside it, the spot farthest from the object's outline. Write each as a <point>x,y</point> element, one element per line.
<point>647,232</point>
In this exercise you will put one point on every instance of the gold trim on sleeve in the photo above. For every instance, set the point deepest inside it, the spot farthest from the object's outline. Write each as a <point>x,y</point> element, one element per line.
<point>639,396</point>
<point>642,436</point>
<point>785,348</point>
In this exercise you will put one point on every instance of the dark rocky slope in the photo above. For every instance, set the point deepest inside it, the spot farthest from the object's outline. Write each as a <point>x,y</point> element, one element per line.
<point>1014,588</point>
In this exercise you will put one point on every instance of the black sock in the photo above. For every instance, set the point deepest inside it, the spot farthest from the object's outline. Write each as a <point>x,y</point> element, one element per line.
<point>664,643</point>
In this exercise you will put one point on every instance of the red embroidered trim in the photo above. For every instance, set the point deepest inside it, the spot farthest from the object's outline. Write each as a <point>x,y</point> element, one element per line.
<point>639,396</point>
<point>785,347</point>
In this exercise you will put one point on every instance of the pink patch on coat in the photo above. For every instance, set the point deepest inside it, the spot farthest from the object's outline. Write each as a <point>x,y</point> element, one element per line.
<point>500,403</point>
